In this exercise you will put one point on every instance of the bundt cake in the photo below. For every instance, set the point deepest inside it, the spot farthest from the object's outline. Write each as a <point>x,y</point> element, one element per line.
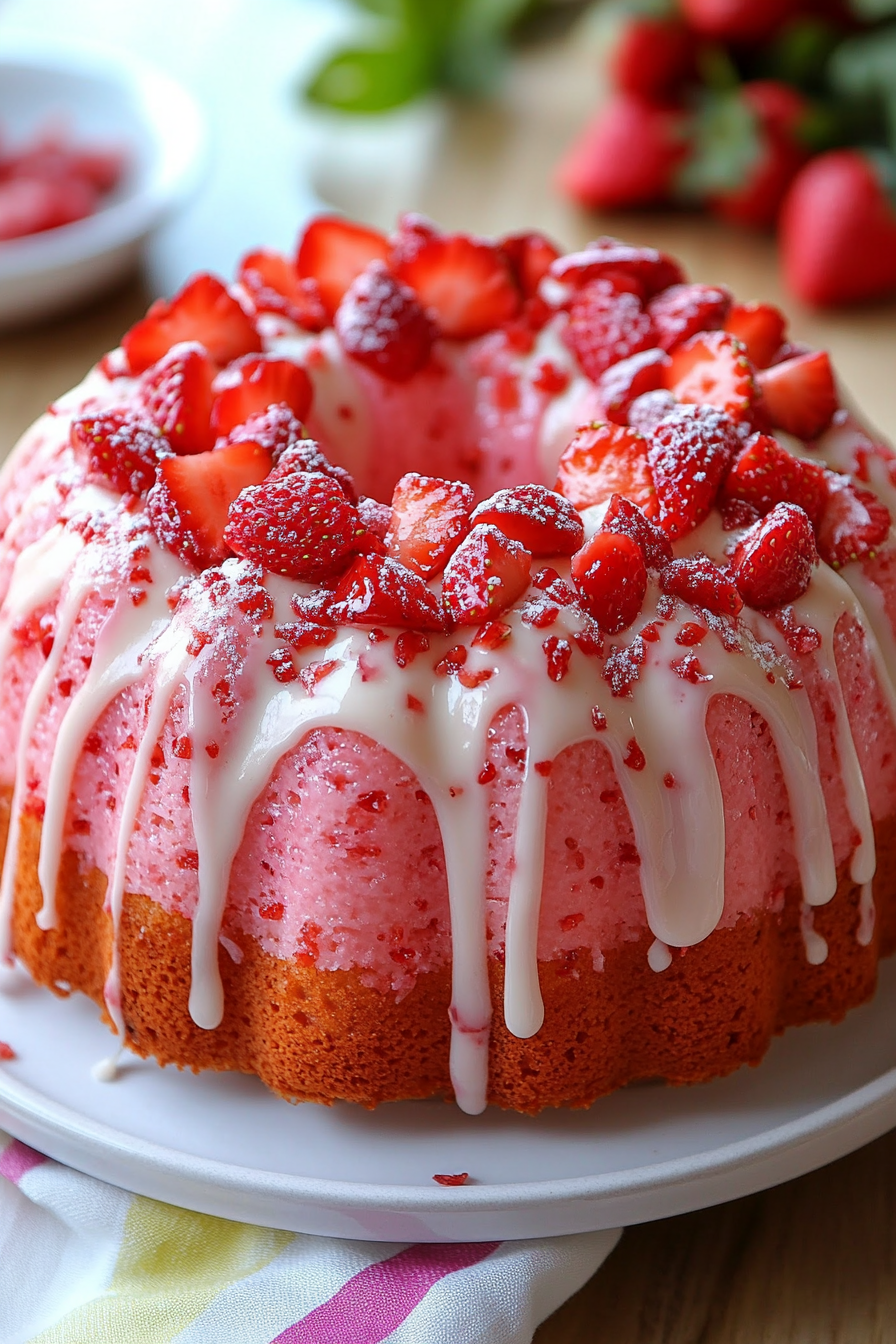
<point>434,666</point>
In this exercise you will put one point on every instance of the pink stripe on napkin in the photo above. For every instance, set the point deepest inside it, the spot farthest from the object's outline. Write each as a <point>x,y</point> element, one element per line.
<point>17,1160</point>
<point>376,1300</point>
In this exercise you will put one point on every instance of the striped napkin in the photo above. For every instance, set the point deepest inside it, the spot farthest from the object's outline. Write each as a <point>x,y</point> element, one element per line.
<point>82,1262</point>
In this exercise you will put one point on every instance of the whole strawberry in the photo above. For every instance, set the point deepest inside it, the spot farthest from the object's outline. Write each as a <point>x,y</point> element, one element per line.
<point>776,114</point>
<point>626,155</point>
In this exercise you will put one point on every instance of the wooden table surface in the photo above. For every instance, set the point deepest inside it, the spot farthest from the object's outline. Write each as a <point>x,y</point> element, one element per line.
<point>814,1261</point>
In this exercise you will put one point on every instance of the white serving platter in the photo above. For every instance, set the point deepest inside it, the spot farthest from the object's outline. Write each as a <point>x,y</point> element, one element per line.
<point>221,1144</point>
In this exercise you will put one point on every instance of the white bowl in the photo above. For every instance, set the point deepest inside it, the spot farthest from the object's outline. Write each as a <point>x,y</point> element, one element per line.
<point>159,127</point>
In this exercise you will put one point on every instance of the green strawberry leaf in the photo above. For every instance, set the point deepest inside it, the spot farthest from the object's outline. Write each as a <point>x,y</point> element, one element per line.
<point>726,144</point>
<point>358,80</point>
<point>872,10</point>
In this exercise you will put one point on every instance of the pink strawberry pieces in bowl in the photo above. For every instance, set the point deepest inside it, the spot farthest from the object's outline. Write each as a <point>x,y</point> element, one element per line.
<point>605,459</point>
<point>698,580</point>
<point>204,311</point>
<point>301,526</point>
<point>377,590</point>
<point>606,324</point>
<point>485,576</point>
<point>188,505</point>
<point>689,456</point>
<point>853,523</point>
<point>540,519</point>
<point>773,562</point>
<point>381,323</point>
<point>610,578</point>
<point>430,518</point>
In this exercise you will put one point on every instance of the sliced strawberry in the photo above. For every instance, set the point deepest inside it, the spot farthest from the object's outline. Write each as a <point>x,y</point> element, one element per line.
<point>305,455</point>
<point>376,516</point>
<point>204,311</point>
<point>530,257</point>
<point>485,575</point>
<point>377,590</point>
<point>301,526</point>
<point>430,518</point>
<point>606,324</point>
<point>624,382</point>
<point>800,395</point>
<point>189,502</point>
<point>610,578</point>
<point>276,428</point>
<point>177,395</point>
<point>333,252</point>
<point>689,456</point>
<point>760,327</point>
<point>773,562</point>
<point>854,523</point>
<point>605,460</point>
<point>712,369</point>
<point>381,324</point>
<point>465,284</point>
<point>626,519</point>
<point>651,269</point>
<point>272,283</point>
<point>683,310</point>
<point>698,580</point>
<point>122,450</point>
<point>540,519</point>
<point>647,410</point>
<point>253,384</point>
<point>765,474</point>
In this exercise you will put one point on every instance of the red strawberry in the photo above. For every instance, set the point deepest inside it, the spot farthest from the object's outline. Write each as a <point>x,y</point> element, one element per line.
<point>122,451</point>
<point>682,310</point>
<point>177,395</point>
<point>300,454</point>
<point>375,516</point>
<point>799,395</point>
<point>772,564</point>
<point>530,257</point>
<point>610,578</point>
<point>464,283</point>
<point>838,231</point>
<point>689,456</point>
<point>189,502</point>
<point>652,57</point>
<point>626,155</point>
<point>34,204</point>
<point>202,311</point>
<point>250,385</point>
<point>738,20</point>
<point>760,327</point>
<point>540,519</point>
<point>712,369</point>
<point>605,325</point>
<point>272,282</point>
<point>622,383</point>
<point>765,474</point>
<point>626,519</point>
<point>647,410</point>
<point>430,518</point>
<point>301,526</point>
<point>485,575</point>
<point>698,580</point>
<point>377,590</point>
<point>275,428</point>
<point>604,460</point>
<point>766,157</point>
<point>333,252</point>
<point>380,323</point>
<point>854,523</point>
<point>608,256</point>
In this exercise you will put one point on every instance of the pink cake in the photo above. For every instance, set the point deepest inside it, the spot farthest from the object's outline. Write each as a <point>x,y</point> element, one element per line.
<point>386,784</point>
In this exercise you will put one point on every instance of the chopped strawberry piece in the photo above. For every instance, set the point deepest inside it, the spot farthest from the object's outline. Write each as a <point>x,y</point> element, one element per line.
<point>381,323</point>
<point>605,460</point>
<point>485,575</point>
<point>305,455</point>
<point>606,324</point>
<point>333,252</point>
<point>305,633</point>
<point>430,518</point>
<point>648,409</point>
<point>760,327</point>
<point>465,284</point>
<point>122,450</point>
<point>853,523</point>
<point>377,590</point>
<point>189,503</point>
<point>800,395</point>
<point>492,635</point>
<point>626,519</point>
<point>177,395</point>
<point>272,283</point>
<point>698,580</point>
<point>772,564</point>
<point>457,1178</point>
<point>712,369</point>
<point>540,519</point>
<point>610,578</point>
<point>204,311</point>
<point>653,270</point>
<point>682,311</point>
<point>375,516</point>
<point>623,382</point>
<point>301,526</point>
<point>626,155</point>
<point>737,513</point>
<point>275,428</point>
<point>249,386</point>
<point>765,474</point>
<point>689,456</point>
<point>530,257</point>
